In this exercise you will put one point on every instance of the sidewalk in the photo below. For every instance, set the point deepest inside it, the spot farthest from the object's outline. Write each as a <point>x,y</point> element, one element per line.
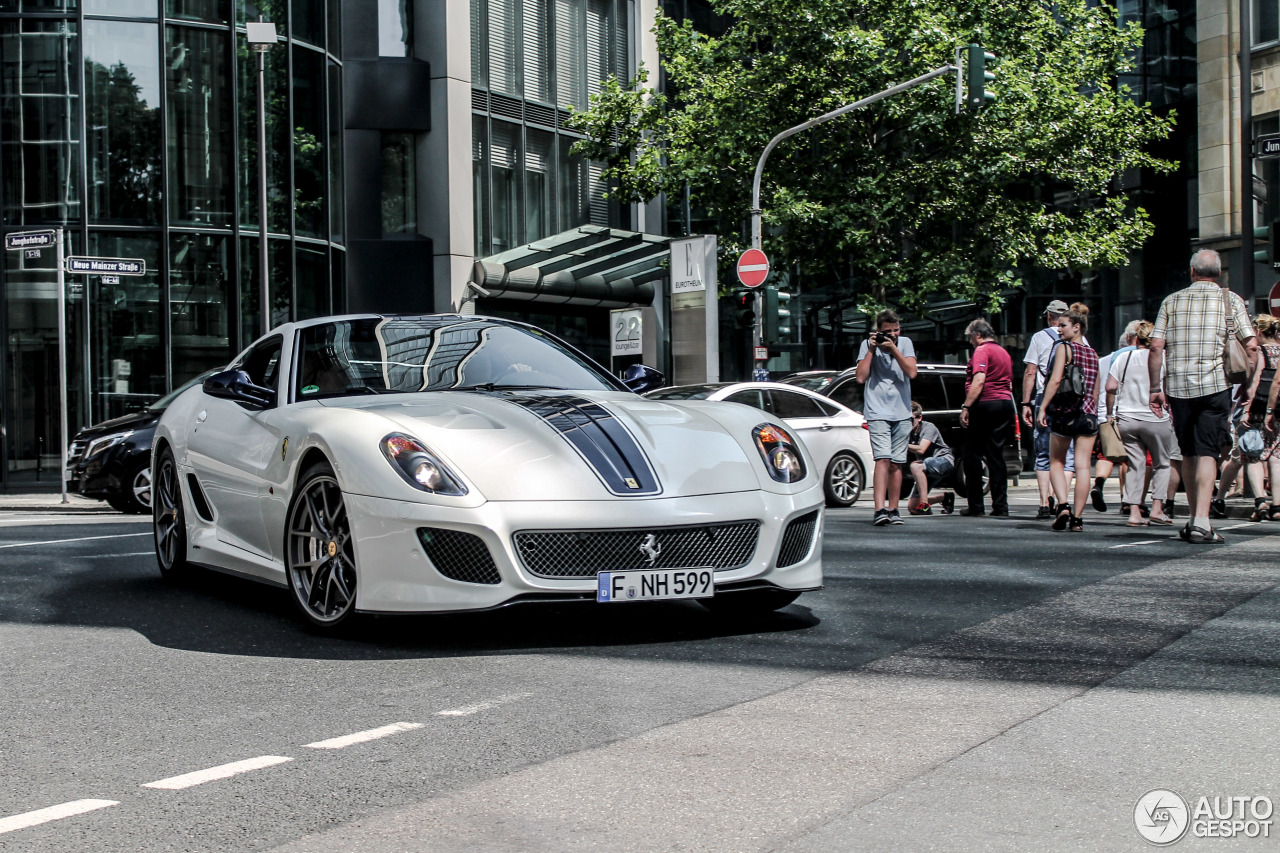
<point>49,501</point>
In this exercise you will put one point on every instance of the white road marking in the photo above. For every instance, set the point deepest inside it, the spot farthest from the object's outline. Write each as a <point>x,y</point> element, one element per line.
<point>78,539</point>
<point>363,737</point>
<point>1234,526</point>
<point>1143,542</point>
<point>150,553</point>
<point>468,710</point>
<point>222,771</point>
<point>39,816</point>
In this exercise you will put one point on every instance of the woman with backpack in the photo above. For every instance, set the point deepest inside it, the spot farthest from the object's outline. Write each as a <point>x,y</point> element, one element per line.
<point>1070,410</point>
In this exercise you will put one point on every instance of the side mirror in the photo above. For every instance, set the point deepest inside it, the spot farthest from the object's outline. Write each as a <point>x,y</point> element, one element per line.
<point>236,385</point>
<point>641,378</point>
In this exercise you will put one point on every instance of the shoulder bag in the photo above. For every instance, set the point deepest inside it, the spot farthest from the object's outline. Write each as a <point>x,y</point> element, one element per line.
<point>1112,448</point>
<point>1235,361</point>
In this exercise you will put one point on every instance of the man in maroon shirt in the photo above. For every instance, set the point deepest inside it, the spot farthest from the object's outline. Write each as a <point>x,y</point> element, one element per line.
<point>988,415</point>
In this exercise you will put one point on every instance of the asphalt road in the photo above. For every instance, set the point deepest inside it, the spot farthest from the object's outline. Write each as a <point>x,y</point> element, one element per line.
<point>958,684</point>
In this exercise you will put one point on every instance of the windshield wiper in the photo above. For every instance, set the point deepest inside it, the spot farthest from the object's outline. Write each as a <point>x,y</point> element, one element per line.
<point>490,386</point>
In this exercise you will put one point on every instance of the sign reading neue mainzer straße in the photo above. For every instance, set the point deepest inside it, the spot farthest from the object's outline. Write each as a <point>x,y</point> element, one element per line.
<point>107,266</point>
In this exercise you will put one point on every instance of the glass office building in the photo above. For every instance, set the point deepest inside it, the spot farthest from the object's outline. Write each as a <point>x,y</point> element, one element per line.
<point>132,125</point>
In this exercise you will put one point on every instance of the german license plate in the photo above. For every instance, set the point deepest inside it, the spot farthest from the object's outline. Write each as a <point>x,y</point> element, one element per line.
<point>655,585</point>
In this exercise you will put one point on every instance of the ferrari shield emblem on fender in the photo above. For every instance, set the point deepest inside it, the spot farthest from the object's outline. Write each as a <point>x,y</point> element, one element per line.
<point>631,483</point>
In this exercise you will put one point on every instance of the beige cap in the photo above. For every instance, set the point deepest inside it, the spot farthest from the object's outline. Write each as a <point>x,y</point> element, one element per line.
<point>1057,306</point>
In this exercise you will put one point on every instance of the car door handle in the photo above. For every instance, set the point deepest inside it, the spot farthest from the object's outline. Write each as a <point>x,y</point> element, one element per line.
<point>824,427</point>
<point>200,417</point>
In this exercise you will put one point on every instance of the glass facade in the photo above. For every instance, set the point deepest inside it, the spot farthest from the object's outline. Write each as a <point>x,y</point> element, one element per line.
<point>147,110</point>
<point>532,61</point>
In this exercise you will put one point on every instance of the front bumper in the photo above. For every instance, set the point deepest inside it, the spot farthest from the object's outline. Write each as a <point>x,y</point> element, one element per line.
<point>396,575</point>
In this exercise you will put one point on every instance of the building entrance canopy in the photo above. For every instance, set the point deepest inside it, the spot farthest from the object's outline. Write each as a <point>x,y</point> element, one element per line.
<point>589,266</point>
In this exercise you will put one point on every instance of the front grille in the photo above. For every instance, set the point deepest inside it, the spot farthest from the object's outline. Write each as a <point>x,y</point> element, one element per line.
<point>459,556</point>
<point>797,540</point>
<point>582,553</point>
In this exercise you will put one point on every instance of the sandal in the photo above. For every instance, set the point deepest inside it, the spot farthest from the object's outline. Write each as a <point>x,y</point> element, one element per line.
<point>1159,520</point>
<point>1136,523</point>
<point>1077,524</point>
<point>1274,514</point>
<point>1200,536</point>
<point>1261,508</point>
<point>1063,518</point>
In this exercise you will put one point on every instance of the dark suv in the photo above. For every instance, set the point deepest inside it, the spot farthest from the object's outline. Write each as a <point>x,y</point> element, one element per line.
<point>111,461</point>
<point>938,388</point>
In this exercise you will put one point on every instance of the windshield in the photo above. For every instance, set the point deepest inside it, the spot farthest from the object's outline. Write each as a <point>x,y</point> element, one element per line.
<point>685,392</point>
<point>406,354</point>
<point>811,381</point>
<point>163,403</point>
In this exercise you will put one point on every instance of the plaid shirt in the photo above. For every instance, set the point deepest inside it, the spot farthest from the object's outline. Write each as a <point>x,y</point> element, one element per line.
<point>1193,324</point>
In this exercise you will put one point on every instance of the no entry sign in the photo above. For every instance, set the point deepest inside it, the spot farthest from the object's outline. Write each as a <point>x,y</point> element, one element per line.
<point>753,268</point>
<point>1273,300</point>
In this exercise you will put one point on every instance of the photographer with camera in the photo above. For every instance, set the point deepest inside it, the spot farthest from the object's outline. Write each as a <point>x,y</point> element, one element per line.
<point>886,366</point>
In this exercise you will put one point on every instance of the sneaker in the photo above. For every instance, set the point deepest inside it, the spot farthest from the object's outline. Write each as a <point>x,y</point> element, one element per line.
<point>921,509</point>
<point>1099,504</point>
<point>894,518</point>
<point>1044,514</point>
<point>1217,508</point>
<point>948,503</point>
<point>881,518</point>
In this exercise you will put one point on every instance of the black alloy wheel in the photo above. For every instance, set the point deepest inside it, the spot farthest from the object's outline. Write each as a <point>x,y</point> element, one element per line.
<point>169,521</point>
<point>844,480</point>
<point>320,559</point>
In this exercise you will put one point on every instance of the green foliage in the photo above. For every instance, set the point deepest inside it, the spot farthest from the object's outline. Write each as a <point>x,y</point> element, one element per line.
<point>905,195</point>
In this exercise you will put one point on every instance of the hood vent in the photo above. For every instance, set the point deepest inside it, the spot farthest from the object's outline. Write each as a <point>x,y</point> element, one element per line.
<point>600,438</point>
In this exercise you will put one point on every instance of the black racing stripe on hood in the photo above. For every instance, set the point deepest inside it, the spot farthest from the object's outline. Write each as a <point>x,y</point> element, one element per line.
<point>601,439</point>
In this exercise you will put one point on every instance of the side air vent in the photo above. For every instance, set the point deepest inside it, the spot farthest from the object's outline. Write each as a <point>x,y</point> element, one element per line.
<point>197,497</point>
<point>506,107</point>
<point>540,115</point>
<point>459,556</point>
<point>479,101</point>
<point>797,541</point>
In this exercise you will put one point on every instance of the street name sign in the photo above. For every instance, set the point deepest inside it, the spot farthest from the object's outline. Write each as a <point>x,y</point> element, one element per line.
<point>753,268</point>
<point>29,240</point>
<point>107,266</point>
<point>1267,146</point>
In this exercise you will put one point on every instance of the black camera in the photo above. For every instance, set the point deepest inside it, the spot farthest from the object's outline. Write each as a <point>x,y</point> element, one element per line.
<point>882,337</point>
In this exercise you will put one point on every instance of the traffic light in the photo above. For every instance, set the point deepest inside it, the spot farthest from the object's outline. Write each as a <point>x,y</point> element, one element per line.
<point>1269,237</point>
<point>744,309</point>
<point>777,315</point>
<point>977,95</point>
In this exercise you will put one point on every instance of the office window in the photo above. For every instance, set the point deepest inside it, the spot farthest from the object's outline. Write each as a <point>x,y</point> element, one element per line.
<point>395,27</point>
<point>208,11</point>
<point>200,135</point>
<point>539,200</point>
<point>310,167</point>
<point>122,82</point>
<point>504,54</point>
<point>122,8</point>
<point>537,38</point>
<point>504,172</point>
<point>399,183</point>
<point>1266,21</point>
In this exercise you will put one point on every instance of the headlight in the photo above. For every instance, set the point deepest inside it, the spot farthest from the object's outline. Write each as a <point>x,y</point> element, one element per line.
<point>419,466</point>
<point>781,454</point>
<point>100,444</point>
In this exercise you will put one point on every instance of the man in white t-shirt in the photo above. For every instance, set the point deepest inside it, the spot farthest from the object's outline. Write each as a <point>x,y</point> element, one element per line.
<point>1039,351</point>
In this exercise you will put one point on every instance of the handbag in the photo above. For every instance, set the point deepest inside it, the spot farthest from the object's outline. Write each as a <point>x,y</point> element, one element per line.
<point>1235,361</point>
<point>1073,384</point>
<point>1112,442</point>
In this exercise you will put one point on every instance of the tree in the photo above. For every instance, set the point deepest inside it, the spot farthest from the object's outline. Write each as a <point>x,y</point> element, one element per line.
<point>908,195</point>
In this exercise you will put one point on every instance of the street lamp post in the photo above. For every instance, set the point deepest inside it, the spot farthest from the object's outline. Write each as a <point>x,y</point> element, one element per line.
<point>262,37</point>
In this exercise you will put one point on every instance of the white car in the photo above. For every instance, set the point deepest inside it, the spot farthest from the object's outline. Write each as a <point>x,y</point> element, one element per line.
<point>835,434</point>
<point>393,464</point>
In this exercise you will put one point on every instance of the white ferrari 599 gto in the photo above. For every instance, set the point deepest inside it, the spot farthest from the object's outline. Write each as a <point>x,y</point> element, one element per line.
<point>409,464</point>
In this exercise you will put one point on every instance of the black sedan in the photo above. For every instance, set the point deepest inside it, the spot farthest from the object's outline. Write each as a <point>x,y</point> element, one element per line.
<point>111,461</point>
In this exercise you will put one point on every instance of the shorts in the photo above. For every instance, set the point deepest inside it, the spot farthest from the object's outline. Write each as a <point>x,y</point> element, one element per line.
<point>1201,423</point>
<point>889,440</point>
<point>1040,442</point>
<point>1074,425</point>
<point>937,469</point>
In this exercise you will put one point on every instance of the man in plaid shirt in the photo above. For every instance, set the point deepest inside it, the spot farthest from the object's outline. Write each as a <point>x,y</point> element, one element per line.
<point>1192,329</point>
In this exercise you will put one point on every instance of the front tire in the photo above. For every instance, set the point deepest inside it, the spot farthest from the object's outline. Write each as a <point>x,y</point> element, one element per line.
<point>320,562</point>
<point>169,520</point>
<point>749,602</point>
<point>136,497</point>
<point>844,480</point>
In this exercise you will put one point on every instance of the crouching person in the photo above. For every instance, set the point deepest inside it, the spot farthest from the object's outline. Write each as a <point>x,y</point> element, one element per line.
<point>930,463</point>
